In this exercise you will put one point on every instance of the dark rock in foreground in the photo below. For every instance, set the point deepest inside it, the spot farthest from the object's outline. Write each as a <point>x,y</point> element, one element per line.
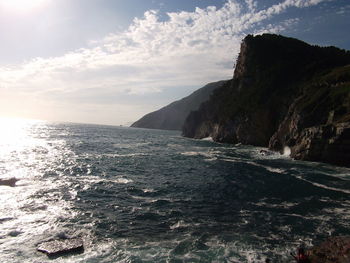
<point>334,250</point>
<point>9,182</point>
<point>61,247</point>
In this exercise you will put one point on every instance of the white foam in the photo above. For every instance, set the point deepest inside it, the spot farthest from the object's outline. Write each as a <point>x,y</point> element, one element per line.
<point>274,170</point>
<point>324,186</point>
<point>148,190</point>
<point>130,145</point>
<point>90,179</point>
<point>210,159</point>
<point>209,139</point>
<point>190,153</point>
<point>329,188</point>
<point>122,181</point>
<point>280,205</point>
<point>268,168</point>
<point>124,155</point>
<point>179,224</point>
<point>232,160</point>
<point>208,155</point>
<point>286,151</point>
<point>344,212</point>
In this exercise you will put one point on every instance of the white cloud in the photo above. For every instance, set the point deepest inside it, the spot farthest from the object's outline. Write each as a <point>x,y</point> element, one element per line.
<point>188,49</point>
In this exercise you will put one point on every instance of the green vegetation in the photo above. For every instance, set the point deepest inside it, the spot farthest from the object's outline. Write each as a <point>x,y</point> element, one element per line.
<point>327,94</point>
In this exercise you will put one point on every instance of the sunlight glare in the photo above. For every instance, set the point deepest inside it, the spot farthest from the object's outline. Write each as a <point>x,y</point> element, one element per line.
<point>14,133</point>
<point>21,5</point>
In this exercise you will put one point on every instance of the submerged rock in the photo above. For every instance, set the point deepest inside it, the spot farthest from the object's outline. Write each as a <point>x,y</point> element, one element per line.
<point>57,248</point>
<point>335,250</point>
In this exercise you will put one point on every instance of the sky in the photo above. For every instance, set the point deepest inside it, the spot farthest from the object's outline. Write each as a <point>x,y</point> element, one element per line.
<point>113,61</point>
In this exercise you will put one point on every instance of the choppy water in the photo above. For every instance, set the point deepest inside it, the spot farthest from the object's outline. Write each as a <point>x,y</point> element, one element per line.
<point>138,195</point>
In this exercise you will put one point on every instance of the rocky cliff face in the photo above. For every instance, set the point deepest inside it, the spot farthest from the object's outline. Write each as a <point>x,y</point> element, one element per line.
<point>317,125</point>
<point>172,116</point>
<point>284,93</point>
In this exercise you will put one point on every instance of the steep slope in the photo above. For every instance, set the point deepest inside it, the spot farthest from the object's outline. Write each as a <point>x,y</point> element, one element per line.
<point>172,116</point>
<point>283,90</point>
<point>317,124</point>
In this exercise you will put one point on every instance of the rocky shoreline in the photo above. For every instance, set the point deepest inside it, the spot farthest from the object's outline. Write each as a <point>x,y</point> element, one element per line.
<point>284,93</point>
<point>333,250</point>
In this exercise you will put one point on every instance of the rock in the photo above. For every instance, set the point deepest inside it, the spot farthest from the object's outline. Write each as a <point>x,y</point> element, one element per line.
<point>9,182</point>
<point>284,93</point>
<point>317,124</point>
<point>327,143</point>
<point>333,250</point>
<point>57,248</point>
<point>265,153</point>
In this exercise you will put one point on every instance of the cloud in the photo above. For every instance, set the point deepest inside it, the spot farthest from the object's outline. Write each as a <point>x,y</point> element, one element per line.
<point>187,49</point>
<point>343,10</point>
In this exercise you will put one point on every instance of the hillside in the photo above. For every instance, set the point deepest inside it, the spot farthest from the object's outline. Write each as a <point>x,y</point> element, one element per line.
<point>172,116</point>
<point>284,93</point>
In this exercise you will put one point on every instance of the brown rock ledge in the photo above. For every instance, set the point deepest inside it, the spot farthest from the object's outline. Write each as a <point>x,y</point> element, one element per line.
<point>333,250</point>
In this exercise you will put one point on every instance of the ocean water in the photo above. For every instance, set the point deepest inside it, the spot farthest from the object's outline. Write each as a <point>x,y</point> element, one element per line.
<point>138,195</point>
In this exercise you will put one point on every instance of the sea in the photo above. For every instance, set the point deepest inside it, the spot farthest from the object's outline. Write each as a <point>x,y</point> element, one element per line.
<point>138,195</point>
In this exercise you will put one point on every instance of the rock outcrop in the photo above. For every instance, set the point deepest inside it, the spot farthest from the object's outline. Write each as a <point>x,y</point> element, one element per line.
<point>333,250</point>
<point>9,182</point>
<point>317,125</point>
<point>284,93</point>
<point>61,247</point>
<point>172,116</point>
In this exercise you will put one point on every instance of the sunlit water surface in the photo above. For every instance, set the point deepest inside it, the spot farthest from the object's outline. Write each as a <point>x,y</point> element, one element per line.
<point>138,195</point>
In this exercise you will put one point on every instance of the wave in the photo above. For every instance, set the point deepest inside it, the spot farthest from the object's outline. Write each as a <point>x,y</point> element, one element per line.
<point>122,181</point>
<point>323,186</point>
<point>180,224</point>
<point>114,155</point>
<point>286,151</point>
<point>209,139</point>
<point>208,156</point>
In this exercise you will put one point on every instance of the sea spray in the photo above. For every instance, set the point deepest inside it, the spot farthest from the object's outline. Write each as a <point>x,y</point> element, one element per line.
<point>286,151</point>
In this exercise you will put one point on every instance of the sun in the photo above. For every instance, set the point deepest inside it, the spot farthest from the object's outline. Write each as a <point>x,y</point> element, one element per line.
<point>21,5</point>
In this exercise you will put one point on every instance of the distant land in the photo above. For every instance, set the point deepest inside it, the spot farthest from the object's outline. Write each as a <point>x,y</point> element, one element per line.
<point>172,116</point>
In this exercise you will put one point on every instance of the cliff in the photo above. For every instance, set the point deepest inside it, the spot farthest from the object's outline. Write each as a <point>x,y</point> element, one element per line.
<point>172,116</point>
<point>284,93</point>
